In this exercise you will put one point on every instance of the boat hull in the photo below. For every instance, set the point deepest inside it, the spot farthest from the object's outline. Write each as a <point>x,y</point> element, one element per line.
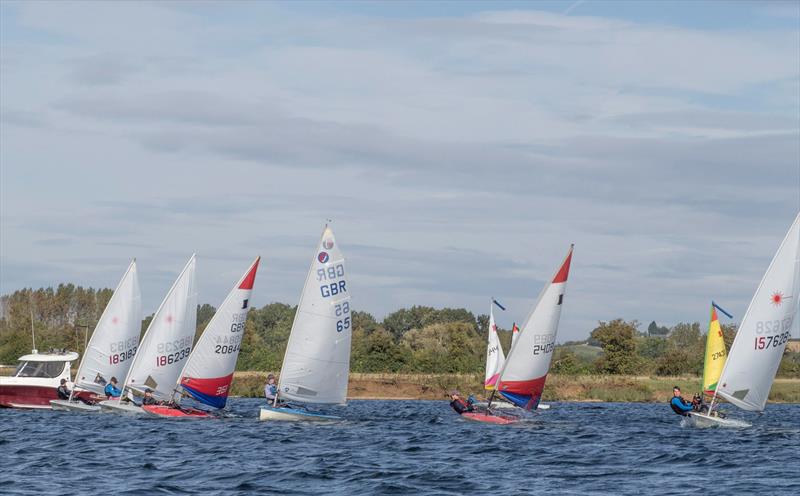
<point>504,405</point>
<point>164,411</point>
<point>489,418</point>
<point>73,406</point>
<point>115,406</point>
<point>294,415</point>
<point>704,421</point>
<point>26,396</point>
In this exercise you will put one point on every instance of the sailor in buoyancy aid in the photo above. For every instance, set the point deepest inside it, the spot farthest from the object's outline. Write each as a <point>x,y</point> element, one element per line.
<point>678,404</point>
<point>459,405</point>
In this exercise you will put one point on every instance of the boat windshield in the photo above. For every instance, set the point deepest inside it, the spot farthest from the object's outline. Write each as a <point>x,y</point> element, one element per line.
<point>39,369</point>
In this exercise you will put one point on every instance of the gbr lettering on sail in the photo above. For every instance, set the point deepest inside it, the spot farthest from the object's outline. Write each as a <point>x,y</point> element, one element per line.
<point>332,283</point>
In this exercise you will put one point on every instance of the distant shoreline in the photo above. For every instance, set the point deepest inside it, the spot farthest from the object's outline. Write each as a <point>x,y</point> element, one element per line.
<point>562,388</point>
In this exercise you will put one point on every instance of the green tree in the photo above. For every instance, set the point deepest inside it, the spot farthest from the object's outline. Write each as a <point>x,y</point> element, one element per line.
<point>617,338</point>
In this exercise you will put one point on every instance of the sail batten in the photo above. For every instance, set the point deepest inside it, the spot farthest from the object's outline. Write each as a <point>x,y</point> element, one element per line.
<point>757,349</point>
<point>316,365</point>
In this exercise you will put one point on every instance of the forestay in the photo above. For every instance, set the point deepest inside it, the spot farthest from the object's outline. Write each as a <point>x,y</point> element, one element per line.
<point>523,376</point>
<point>208,372</point>
<point>317,361</point>
<point>765,329</point>
<point>494,354</point>
<point>113,344</point>
<point>167,342</point>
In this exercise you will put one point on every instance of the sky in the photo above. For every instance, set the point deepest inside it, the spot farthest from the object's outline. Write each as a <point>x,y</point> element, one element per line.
<point>458,148</point>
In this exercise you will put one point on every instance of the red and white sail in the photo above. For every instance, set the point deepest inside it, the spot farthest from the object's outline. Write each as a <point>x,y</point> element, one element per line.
<point>167,342</point>
<point>208,372</point>
<point>494,354</point>
<point>514,333</point>
<point>765,329</point>
<point>113,344</point>
<point>523,376</point>
<point>316,366</point>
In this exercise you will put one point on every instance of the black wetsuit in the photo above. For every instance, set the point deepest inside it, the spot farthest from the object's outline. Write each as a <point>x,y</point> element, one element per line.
<point>63,392</point>
<point>149,401</point>
<point>460,406</point>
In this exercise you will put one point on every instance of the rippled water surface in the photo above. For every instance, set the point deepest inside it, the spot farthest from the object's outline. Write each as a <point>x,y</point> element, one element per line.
<point>401,447</point>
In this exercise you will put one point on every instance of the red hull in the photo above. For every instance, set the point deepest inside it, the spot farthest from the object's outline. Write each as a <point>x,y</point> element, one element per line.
<point>168,411</point>
<point>489,419</point>
<point>26,396</point>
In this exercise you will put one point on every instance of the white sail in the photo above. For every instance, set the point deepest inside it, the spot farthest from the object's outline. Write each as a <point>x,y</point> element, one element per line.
<point>208,372</point>
<point>525,371</point>
<point>765,329</point>
<point>494,354</point>
<point>167,342</point>
<point>316,366</point>
<point>113,344</point>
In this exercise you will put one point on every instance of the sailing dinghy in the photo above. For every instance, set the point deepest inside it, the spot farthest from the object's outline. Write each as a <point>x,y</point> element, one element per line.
<point>208,372</point>
<point>495,358</point>
<point>756,352</point>
<point>113,344</point>
<point>524,372</point>
<point>164,348</point>
<point>316,365</point>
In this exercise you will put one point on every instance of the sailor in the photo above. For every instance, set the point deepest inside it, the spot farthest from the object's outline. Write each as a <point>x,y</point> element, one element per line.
<point>678,404</point>
<point>697,403</point>
<point>270,388</point>
<point>459,405</point>
<point>148,398</point>
<point>111,390</point>
<point>63,391</point>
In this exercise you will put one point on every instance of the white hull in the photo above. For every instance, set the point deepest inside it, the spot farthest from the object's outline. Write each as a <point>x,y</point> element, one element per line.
<point>703,421</point>
<point>73,406</point>
<point>503,405</point>
<point>293,415</point>
<point>114,406</point>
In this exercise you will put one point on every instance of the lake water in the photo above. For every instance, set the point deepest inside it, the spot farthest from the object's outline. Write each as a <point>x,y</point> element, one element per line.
<point>401,447</point>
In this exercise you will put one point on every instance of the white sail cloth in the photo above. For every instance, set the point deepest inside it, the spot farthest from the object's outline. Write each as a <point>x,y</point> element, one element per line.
<point>757,349</point>
<point>316,366</point>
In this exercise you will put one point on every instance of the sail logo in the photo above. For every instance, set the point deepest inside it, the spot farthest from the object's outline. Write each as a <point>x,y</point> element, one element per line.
<point>327,244</point>
<point>323,257</point>
<point>776,298</point>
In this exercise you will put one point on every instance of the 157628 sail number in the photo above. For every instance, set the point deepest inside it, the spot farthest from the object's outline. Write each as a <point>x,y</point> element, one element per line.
<point>765,342</point>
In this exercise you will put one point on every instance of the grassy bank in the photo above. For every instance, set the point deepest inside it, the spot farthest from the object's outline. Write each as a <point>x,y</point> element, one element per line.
<point>558,388</point>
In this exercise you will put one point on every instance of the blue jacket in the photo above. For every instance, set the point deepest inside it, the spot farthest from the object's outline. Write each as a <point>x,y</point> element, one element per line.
<point>678,405</point>
<point>112,391</point>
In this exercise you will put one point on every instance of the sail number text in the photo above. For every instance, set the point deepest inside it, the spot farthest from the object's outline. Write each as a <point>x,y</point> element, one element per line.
<point>543,344</point>
<point>238,322</point>
<point>765,342</point>
<point>328,276</point>
<point>122,356</point>
<point>773,326</point>
<point>162,360</point>
<point>343,310</point>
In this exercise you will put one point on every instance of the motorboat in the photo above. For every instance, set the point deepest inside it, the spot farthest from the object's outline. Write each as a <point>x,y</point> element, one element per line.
<point>36,379</point>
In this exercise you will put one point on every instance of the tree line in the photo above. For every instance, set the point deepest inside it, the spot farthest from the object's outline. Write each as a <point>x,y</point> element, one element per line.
<point>419,339</point>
